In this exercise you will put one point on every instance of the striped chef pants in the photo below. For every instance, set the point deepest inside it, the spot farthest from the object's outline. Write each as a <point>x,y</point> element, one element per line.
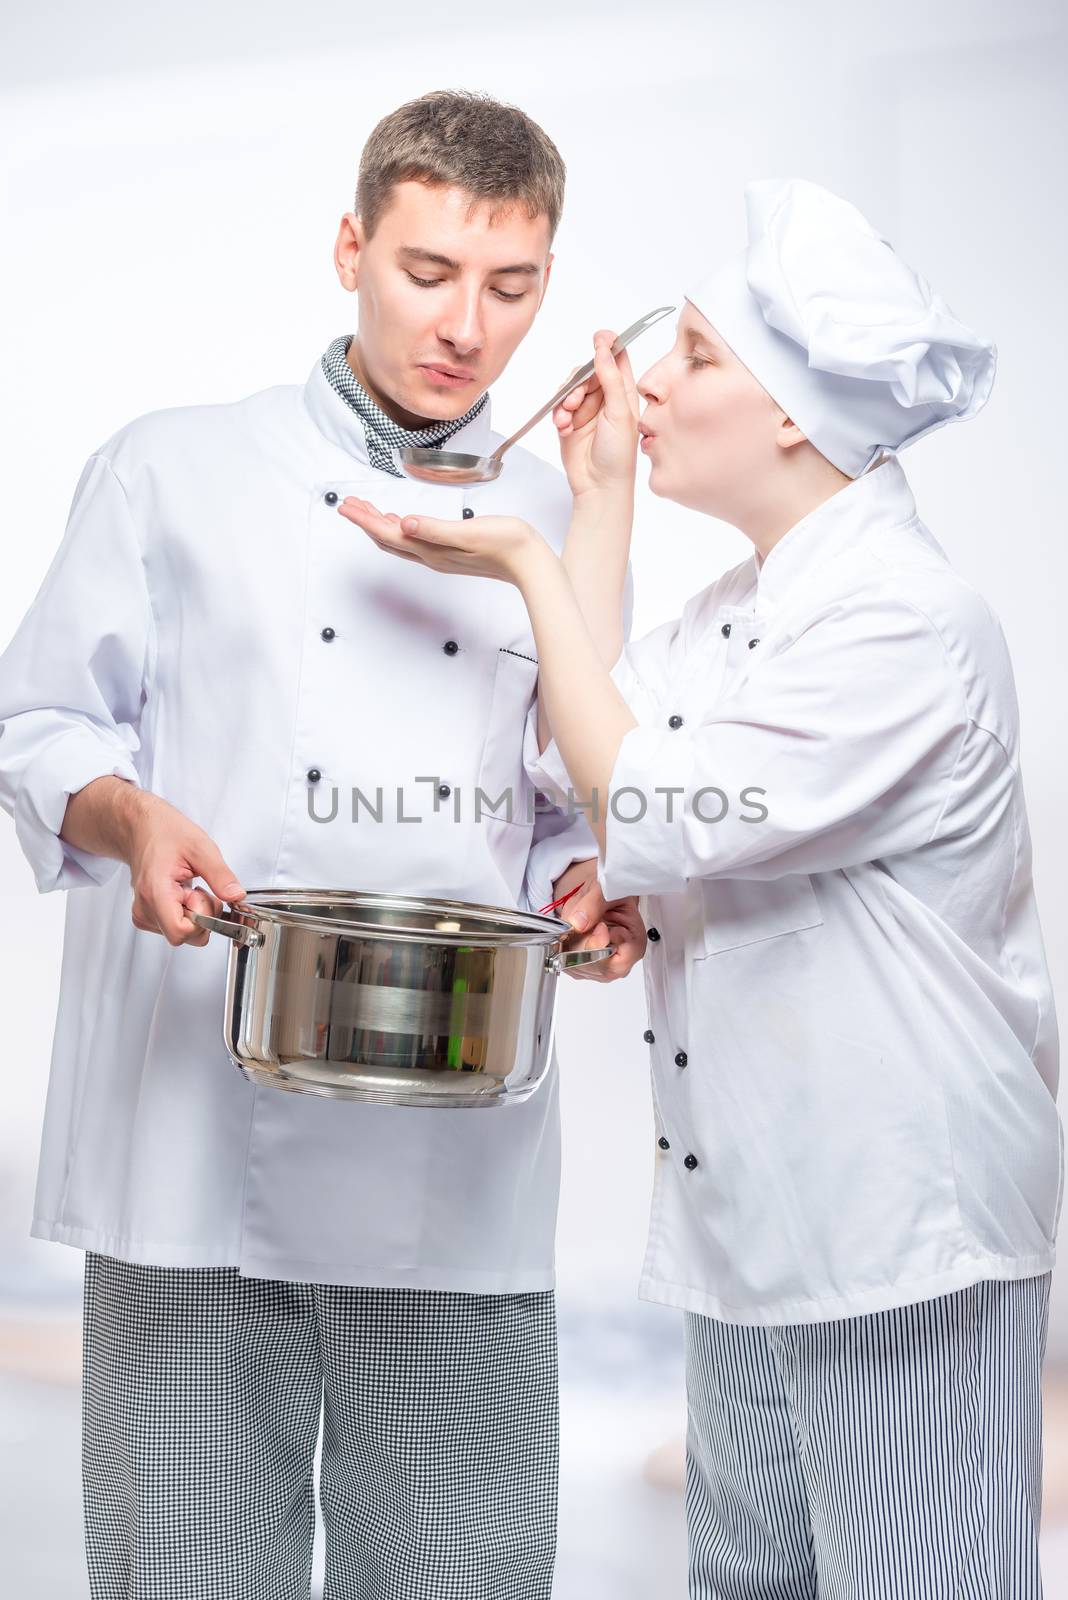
<point>896,1456</point>
<point>201,1407</point>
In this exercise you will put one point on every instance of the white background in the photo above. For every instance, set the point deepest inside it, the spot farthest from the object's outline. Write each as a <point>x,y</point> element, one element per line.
<point>174,179</point>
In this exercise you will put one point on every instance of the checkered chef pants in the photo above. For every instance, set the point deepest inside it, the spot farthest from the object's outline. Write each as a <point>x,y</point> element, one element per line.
<point>201,1408</point>
<point>895,1456</point>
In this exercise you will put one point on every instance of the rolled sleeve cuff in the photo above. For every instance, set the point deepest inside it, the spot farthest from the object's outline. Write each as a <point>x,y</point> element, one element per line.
<point>645,839</point>
<point>552,856</point>
<point>572,838</point>
<point>61,769</point>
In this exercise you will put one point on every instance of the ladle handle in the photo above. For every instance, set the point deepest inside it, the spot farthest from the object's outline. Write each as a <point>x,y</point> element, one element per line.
<point>583,373</point>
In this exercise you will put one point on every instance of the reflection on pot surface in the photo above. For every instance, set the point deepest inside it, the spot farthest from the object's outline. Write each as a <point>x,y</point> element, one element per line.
<point>392,998</point>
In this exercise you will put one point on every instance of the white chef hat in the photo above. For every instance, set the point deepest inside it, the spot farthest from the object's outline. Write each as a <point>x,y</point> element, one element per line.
<point>853,344</point>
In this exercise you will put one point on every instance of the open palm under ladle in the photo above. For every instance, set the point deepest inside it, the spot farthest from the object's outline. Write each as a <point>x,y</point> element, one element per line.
<point>430,465</point>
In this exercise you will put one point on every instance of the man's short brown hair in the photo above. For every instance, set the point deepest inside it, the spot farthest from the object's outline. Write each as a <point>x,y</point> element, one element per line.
<point>465,140</point>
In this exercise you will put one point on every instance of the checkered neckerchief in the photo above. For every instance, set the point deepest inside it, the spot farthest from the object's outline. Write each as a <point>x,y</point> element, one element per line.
<point>381,433</point>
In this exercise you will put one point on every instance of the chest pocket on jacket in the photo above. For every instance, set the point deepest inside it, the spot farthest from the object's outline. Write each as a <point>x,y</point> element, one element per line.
<point>501,767</point>
<point>740,911</point>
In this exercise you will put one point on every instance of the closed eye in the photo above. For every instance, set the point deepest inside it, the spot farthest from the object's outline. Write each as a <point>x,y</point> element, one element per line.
<point>432,283</point>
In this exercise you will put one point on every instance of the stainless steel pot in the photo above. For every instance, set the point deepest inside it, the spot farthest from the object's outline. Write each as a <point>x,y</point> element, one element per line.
<point>391,998</point>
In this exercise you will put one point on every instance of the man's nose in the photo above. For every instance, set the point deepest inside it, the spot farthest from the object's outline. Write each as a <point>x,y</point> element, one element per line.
<point>461,324</point>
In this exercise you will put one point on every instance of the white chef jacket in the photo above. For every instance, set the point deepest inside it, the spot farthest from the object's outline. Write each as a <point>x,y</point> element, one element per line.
<point>177,642</point>
<point>851,1027</point>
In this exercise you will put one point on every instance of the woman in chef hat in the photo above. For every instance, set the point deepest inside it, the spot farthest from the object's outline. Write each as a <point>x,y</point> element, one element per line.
<point>812,779</point>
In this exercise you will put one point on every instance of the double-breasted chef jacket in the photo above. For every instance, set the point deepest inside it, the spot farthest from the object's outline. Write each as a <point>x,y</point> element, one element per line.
<point>850,1023</point>
<point>214,631</point>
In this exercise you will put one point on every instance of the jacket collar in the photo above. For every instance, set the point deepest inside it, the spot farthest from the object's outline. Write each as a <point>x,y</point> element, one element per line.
<point>880,497</point>
<point>340,424</point>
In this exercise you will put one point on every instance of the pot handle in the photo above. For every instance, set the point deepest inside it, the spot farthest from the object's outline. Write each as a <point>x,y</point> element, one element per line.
<point>561,960</point>
<point>237,931</point>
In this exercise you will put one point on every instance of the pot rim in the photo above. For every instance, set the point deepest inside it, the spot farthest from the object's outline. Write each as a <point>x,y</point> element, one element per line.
<point>528,930</point>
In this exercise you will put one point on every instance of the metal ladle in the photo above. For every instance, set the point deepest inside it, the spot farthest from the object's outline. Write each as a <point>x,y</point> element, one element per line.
<point>454,466</point>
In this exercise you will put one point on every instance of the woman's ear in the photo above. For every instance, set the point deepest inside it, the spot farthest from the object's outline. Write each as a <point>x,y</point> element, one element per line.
<point>788,434</point>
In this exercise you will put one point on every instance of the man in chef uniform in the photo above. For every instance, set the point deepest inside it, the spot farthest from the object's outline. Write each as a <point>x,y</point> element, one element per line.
<point>812,778</point>
<point>213,654</point>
